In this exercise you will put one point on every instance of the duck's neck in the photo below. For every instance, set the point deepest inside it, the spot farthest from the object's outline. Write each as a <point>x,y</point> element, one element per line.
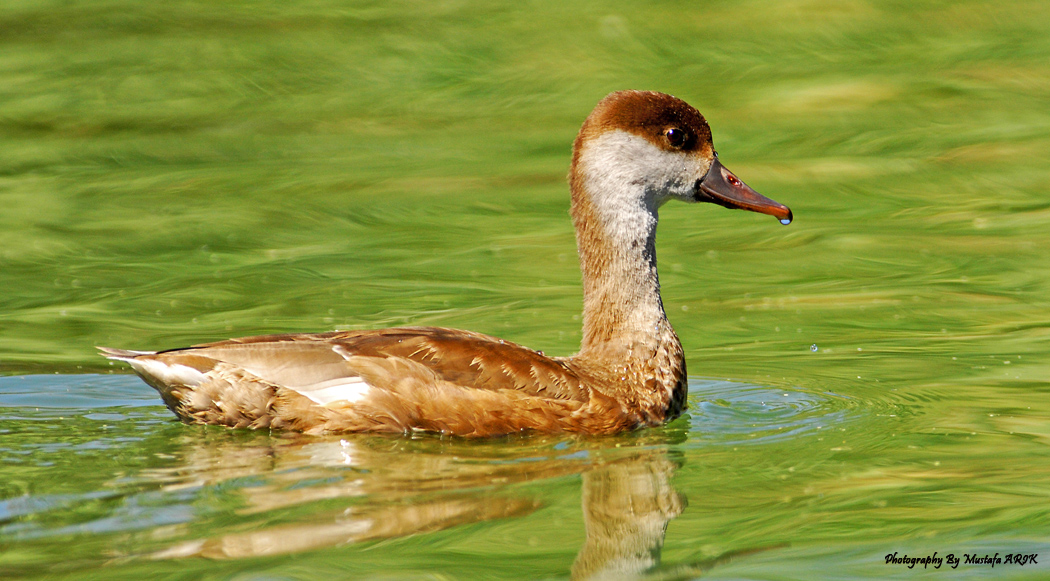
<point>623,315</point>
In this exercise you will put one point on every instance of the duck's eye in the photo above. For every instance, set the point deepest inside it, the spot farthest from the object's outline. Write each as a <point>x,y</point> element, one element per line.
<point>676,137</point>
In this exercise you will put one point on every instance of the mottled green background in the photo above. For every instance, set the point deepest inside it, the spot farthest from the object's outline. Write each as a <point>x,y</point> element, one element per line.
<point>178,172</point>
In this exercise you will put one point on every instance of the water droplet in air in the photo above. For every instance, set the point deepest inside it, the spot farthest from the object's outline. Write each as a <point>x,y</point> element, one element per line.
<point>813,348</point>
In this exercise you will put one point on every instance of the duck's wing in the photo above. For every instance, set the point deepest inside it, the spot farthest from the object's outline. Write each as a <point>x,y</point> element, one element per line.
<point>403,377</point>
<point>460,357</point>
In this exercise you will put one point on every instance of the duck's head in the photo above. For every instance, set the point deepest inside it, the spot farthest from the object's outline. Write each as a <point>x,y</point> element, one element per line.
<point>651,147</point>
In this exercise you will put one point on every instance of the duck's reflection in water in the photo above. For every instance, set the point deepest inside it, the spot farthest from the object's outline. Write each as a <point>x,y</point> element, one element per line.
<point>626,508</point>
<point>398,487</point>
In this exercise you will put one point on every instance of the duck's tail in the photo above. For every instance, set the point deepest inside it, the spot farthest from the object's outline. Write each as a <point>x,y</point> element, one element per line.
<point>121,354</point>
<point>202,390</point>
<point>161,374</point>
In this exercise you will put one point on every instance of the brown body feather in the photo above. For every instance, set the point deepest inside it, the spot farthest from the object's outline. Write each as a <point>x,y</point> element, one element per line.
<point>420,378</point>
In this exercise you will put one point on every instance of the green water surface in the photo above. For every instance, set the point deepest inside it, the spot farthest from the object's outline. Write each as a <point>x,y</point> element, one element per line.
<point>870,380</point>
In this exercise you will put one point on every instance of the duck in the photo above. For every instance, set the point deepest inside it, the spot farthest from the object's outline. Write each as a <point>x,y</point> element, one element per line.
<point>635,151</point>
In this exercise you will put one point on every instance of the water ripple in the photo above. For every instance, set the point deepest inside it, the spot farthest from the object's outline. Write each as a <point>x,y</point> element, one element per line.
<point>727,412</point>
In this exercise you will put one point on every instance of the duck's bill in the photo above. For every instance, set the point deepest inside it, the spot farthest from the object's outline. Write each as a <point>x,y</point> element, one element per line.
<point>721,187</point>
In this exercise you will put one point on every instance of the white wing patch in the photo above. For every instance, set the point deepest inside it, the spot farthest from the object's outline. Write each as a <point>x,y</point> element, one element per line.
<point>174,374</point>
<point>343,389</point>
